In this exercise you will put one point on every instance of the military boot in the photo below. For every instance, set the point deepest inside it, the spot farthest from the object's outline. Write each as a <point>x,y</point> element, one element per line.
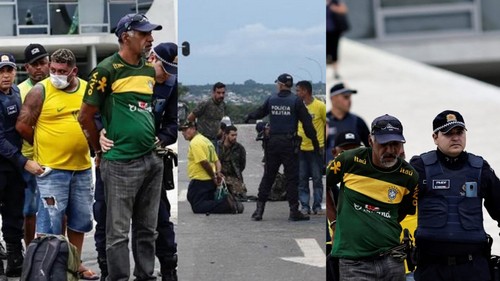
<point>257,215</point>
<point>103,266</point>
<point>14,259</point>
<point>168,267</point>
<point>296,215</point>
<point>3,277</point>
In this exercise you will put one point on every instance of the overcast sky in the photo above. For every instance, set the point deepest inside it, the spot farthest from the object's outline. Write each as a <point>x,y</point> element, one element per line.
<point>235,40</point>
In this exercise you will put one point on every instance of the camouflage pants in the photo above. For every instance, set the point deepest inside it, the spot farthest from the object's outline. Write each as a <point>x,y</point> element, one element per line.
<point>235,186</point>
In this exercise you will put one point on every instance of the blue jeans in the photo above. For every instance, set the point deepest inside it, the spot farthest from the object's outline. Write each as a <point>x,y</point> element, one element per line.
<point>310,165</point>
<point>31,194</point>
<point>383,269</point>
<point>72,196</point>
<point>132,192</point>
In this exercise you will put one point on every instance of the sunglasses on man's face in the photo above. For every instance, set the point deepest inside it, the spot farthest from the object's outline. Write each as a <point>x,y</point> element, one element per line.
<point>386,124</point>
<point>135,19</point>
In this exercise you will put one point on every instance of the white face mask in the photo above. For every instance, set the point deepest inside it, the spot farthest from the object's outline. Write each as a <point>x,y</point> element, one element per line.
<point>59,81</point>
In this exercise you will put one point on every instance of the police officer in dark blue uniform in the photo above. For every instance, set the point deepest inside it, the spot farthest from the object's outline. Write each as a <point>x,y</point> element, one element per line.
<point>285,110</point>
<point>12,164</point>
<point>450,237</point>
<point>165,112</point>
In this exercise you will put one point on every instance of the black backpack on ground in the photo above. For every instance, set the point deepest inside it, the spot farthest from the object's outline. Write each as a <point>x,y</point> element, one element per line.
<point>278,190</point>
<point>51,258</point>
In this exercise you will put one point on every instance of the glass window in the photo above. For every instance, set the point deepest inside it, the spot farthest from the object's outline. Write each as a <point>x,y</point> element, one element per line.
<point>397,3</point>
<point>8,16</point>
<point>144,5</point>
<point>429,23</point>
<point>32,12</point>
<point>93,16</point>
<point>63,18</point>
<point>117,11</point>
<point>32,30</point>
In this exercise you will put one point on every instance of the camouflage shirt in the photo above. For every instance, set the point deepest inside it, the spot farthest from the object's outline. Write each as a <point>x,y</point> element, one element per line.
<point>209,115</point>
<point>233,160</point>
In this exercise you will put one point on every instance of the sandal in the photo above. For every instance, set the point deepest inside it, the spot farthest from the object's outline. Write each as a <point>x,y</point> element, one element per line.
<point>88,274</point>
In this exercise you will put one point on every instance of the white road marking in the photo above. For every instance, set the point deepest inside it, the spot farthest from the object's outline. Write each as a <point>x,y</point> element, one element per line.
<point>313,254</point>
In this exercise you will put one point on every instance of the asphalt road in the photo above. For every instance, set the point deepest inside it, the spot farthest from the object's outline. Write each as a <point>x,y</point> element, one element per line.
<point>233,247</point>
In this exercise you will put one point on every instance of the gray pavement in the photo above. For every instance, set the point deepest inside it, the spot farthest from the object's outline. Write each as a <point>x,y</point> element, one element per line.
<point>233,247</point>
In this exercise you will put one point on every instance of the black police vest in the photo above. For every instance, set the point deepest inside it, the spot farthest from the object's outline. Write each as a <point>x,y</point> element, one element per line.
<point>161,94</point>
<point>11,107</point>
<point>451,209</point>
<point>282,114</point>
<point>349,123</point>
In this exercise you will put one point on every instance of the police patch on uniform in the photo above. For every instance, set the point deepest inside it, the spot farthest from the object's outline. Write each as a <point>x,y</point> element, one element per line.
<point>392,193</point>
<point>440,184</point>
<point>11,109</point>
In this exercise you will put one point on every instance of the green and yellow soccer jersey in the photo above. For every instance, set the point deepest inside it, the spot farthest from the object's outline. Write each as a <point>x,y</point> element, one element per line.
<point>370,202</point>
<point>123,94</point>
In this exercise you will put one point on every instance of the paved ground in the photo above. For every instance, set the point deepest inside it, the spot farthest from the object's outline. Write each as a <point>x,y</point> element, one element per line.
<point>233,247</point>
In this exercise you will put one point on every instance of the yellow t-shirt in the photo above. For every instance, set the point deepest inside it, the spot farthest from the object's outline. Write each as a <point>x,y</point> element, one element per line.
<point>317,110</point>
<point>200,148</point>
<point>409,222</point>
<point>59,141</point>
<point>25,87</point>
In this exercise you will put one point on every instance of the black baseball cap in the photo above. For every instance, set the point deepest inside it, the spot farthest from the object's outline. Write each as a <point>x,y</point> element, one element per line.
<point>346,138</point>
<point>447,120</point>
<point>387,128</point>
<point>7,60</point>
<point>137,22</point>
<point>285,79</point>
<point>34,52</point>
<point>167,54</point>
<point>339,89</point>
<point>187,124</point>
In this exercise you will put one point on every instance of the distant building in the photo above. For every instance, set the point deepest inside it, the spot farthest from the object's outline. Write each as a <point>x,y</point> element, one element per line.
<point>84,26</point>
<point>460,35</point>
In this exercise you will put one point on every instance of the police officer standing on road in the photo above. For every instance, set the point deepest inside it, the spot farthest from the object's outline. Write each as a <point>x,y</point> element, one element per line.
<point>450,237</point>
<point>285,110</point>
<point>12,163</point>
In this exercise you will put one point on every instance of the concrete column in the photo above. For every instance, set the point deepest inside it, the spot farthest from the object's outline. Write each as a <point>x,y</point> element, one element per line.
<point>91,58</point>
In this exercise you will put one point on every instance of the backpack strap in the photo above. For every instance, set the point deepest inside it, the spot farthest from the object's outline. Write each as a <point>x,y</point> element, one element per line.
<point>51,253</point>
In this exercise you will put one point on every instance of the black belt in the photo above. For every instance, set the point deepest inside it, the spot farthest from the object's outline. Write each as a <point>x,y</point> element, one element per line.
<point>370,258</point>
<point>396,252</point>
<point>447,260</point>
